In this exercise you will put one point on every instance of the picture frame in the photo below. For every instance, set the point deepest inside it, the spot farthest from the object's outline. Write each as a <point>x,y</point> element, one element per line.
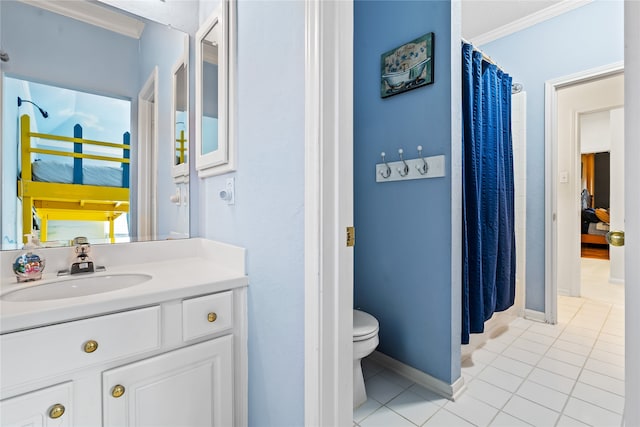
<point>407,67</point>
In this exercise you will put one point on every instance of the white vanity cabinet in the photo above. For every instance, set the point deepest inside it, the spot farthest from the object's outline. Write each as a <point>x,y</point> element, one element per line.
<point>180,362</point>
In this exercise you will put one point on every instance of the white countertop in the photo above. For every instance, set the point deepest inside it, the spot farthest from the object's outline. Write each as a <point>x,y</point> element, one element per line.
<point>214,269</point>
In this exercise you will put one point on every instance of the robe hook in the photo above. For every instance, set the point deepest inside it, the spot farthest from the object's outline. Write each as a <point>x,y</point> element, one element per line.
<point>385,173</point>
<point>405,170</point>
<point>424,167</point>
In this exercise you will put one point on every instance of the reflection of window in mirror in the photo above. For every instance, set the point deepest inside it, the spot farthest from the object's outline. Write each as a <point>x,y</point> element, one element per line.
<point>180,125</point>
<point>215,151</point>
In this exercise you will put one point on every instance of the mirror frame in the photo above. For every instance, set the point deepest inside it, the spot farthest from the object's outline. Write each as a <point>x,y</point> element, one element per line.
<point>223,159</point>
<point>180,172</point>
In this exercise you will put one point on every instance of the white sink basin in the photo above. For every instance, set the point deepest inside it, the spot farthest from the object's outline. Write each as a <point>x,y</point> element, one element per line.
<point>76,287</point>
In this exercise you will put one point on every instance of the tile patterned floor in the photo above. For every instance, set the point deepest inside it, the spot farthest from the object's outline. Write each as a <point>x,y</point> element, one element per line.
<point>532,374</point>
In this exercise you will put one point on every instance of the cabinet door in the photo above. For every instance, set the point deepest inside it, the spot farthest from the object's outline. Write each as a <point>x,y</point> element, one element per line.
<point>49,407</point>
<point>192,386</point>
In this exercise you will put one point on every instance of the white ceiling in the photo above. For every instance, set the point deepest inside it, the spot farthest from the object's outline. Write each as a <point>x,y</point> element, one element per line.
<point>482,16</point>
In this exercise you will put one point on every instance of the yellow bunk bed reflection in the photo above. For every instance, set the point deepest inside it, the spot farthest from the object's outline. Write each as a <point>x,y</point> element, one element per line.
<point>70,202</point>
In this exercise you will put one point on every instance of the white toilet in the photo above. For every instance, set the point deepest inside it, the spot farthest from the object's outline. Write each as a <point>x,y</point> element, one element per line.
<point>365,340</point>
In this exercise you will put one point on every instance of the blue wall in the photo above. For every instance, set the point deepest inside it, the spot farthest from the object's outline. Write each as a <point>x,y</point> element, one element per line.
<point>403,254</point>
<point>268,216</point>
<point>587,37</point>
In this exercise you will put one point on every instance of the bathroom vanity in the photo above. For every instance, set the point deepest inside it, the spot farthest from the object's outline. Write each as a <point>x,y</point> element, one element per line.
<point>168,350</point>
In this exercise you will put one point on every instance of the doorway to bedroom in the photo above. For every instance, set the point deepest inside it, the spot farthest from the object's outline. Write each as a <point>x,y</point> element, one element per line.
<point>588,166</point>
<point>65,164</point>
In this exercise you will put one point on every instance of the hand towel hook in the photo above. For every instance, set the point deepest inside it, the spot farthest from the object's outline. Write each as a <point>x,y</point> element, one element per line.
<point>424,167</point>
<point>385,173</point>
<point>405,170</point>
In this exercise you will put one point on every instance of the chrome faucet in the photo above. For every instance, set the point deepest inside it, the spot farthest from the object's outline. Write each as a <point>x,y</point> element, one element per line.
<point>82,262</point>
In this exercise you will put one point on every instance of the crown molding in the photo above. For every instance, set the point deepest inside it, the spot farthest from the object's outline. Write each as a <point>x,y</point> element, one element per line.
<point>93,14</point>
<point>529,21</point>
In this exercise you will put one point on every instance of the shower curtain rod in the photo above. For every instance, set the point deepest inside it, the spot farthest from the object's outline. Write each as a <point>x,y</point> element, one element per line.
<point>484,55</point>
<point>515,87</point>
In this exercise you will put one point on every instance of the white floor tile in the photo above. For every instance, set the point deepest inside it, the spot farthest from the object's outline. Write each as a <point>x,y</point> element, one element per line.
<point>547,329</point>
<point>521,355</point>
<point>531,412</point>
<point>398,380</point>
<point>381,389</point>
<point>599,397</point>
<point>471,368</point>
<point>444,418</point>
<point>604,368</point>
<point>385,417</point>
<point>610,348</point>
<point>551,380</point>
<point>558,367</point>
<point>565,421</point>
<point>522,323</point>
<point>413,407</point>
<point>577,339</point>
<point>539,338</point>
<point>542,395</point>
<point>572,347</point>
<point>613,339</point>
<point>370,368</point>
<point>428,395</point>
<point>483,356</point>
<point>495,346</point>
<point>506,420</point>
<point>512,366</point>
<point>591,414</point>
<point>529,345</point>
<point>566,356</point>
<point>605,356</point>
<point>602,381</point>
<point>500,378</point>
<point>472,410</point>
<point>366,409</point>
<point>576,330</point>
<point>488,393</point>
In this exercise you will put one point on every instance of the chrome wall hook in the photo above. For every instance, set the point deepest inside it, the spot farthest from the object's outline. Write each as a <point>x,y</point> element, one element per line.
<point>424,167</point>
<point>385,173</point>
<point>403,171</point>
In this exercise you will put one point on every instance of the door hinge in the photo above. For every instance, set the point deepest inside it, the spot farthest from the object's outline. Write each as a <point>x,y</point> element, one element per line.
<point>351,236</point>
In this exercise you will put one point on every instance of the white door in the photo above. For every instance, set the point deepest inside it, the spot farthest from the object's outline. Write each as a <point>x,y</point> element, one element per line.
<point>190,387</point>
<point>48,407</point>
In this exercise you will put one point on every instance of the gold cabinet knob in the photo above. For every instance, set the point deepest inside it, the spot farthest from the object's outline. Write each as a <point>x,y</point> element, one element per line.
<point>211,317</point>
<point>615,238</point>
<point>90,346</point>
<point>117,391</point>
<point>56,411</point>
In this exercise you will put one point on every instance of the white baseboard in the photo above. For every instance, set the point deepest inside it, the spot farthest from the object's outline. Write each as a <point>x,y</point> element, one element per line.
<point>538,316</point>
<point>449,391</point>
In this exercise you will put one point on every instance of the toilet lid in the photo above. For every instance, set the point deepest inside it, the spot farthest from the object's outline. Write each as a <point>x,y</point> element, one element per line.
<point>365,325</point>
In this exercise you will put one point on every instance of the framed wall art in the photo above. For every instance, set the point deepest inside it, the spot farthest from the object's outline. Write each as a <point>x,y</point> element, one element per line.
<point>407,67</point>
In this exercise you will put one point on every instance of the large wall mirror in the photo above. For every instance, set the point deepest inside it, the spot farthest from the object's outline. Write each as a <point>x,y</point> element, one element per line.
<point>215,142</point>
<point>87,100</point>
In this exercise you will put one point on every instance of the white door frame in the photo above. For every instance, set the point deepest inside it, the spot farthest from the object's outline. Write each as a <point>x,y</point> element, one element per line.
<point>147,211</point>
<point>328,211</point>
<point>632,207</point>
<point>551,173</point>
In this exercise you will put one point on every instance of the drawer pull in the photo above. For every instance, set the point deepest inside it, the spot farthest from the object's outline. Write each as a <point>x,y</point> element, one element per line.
<point>117,391</point>
<point>211,317</point>
<point>56,411</point>
<point>90,346</point>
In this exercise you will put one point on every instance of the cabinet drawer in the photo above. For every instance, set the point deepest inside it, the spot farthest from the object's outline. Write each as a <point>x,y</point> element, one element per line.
<point>52,350</point>
<point>206,315</point>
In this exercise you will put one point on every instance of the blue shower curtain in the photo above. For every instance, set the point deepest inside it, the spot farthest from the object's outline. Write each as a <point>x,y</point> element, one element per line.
<point>489,261</point>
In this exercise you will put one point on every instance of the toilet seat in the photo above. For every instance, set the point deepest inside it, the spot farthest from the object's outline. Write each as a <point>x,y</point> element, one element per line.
<point>365,326</point>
